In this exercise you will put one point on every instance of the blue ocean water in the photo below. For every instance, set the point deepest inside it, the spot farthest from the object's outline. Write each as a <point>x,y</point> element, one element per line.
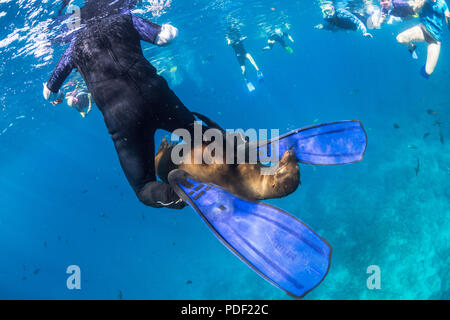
<point>65,201</point>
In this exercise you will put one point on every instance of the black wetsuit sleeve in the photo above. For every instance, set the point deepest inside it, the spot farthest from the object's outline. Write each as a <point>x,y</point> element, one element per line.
<point>349,18</point>
<point>147,30</point>
<point>62,70</point>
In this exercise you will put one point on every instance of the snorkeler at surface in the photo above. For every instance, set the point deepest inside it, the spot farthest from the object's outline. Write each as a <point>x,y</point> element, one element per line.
<point>279,36</point>
<point>236,41</point>
<point>391,11</point>
<point>133,99</point>
<point>341,19</point>
<point>81,100</point>
<point>77,96</point>
<point>434,16</point>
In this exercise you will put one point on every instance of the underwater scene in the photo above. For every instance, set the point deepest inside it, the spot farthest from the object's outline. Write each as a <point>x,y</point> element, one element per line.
<point>358,209</point>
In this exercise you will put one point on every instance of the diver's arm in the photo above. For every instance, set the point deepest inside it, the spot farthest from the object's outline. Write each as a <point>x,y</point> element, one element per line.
<point>358,23</point>
<point>63,69</point>
<point>153,33</point>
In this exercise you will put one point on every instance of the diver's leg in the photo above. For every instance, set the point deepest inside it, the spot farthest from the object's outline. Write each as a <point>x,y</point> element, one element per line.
<point>258,72</point>
<point>434,49</point>
<point>270,44</point>
<point>252,61</point>
<point>135,149</point>
<point>244,72</point>
<point>172,114</point>
<point>408,37</point>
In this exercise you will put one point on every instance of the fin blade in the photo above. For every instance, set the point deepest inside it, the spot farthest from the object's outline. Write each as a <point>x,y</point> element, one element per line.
<point>335,143</point>
<point>275,244</point>
<point>250,87</point>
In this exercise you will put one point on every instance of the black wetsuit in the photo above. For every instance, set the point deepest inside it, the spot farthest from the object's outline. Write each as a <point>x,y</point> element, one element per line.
<point>277,38</point>
<point>133,99</point>
<point>344,19</point>
<point>239,49</point>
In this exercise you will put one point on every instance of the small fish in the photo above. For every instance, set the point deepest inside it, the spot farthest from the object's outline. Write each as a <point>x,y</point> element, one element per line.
<point>84,191</point>
<point>411,146</point>
<point>174,244</point>
<point>426,135</point>
<point>189,282</point>
<point>354,92</point>
<point>441,136</point>
<point>59,238</point>
<point>35,272</point>
<point>417,169</point>
<point>120,295</point>
<point>45,244</point>
<point>102,215</point>
<point>432,112</point>
<point>396,126</point>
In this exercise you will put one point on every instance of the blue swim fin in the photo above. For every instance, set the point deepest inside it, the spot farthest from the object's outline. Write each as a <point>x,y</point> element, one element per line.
<point>335,143</point>
<point>424,73</point>
<point>260,76</point>
<point>250,87</point>
<point>275,244</point>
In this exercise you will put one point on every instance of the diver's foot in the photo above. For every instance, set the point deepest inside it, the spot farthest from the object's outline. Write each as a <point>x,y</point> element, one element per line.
<point>260,76</point>
<point>424,73</point>
<point>289,50</point>
<point>412,50</point>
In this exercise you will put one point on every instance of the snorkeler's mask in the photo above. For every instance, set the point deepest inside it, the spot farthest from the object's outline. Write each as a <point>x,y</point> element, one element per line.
<point>328,10</point>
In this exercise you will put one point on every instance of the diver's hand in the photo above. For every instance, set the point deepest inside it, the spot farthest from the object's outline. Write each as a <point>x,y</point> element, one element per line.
<point>52,96</point>
<point>56,102</point>
<point>167,34</point>
<point>368,35</point>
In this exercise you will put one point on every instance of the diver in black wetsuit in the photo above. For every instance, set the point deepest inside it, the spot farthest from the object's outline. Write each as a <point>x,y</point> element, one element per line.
<point>134,100</point>
<point>279,36</point>
<point>335,19</point>
<point>236,41</point>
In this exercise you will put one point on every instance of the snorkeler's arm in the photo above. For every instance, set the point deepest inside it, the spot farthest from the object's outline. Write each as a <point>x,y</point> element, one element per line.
<point>62,71</point>
<point>358,23</point>
<point>153,33</point>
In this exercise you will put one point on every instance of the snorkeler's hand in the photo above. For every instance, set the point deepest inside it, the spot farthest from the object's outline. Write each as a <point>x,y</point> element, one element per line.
<point>368,35</point>
<point>52,96</point>
<point>56,102</point>
<point>167,34</point>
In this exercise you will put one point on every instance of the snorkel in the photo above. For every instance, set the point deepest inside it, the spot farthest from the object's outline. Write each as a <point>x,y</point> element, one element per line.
<point>328,11</point>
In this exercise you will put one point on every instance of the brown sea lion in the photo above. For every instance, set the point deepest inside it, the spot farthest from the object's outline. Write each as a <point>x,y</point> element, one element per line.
<point>243,180</point>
